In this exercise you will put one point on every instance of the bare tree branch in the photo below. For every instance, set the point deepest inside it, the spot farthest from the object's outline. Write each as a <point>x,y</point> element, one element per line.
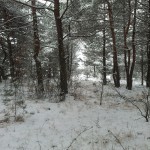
<point>117,139</point>
<point>14,18</point>
<point>19,2</point>
<point>67,5</point>
<point>78,136</point>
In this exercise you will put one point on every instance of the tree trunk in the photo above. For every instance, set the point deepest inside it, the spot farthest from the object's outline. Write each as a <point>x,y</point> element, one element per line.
<point>9,45</point>
<point>133,47</point>
<point>2,70</point>
<point>94,68</point>
<point>148,66</point>
<point>142,68</point>
<point>11,60</point>
<point>70,61</point>
<point>62,59</point>
<point>127,53</point>
<point>40,88</point>
<point>49,73</point>
<point>104,52</point>
<point>148,51</point>
<point>116,73</point>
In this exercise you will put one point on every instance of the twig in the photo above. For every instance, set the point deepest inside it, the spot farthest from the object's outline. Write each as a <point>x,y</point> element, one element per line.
<point>127,99</point>
<point>146,115</point>
<point>39,145</point>
<point>78,136</point>
<point>43,125</point>
<point>139,118</point>
<point>117,139</point>
<point>67,5</point>
<point>25,4</point>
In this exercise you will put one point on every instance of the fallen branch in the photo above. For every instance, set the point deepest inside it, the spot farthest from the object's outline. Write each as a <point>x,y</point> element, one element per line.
<point>132,101</point>
<point>78,136</point>
<point>116,139</point>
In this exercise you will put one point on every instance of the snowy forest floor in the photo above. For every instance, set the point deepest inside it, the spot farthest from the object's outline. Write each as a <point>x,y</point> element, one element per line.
<point>79,123</point>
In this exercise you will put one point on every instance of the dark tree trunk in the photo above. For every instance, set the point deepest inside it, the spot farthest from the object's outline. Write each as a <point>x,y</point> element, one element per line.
<point>9,45</point>
<point>70,61</point>
<point>127,53</point>
<point>142,68</point>
<point>62,59</point>
<point>148,50</point>
<point>94,67</point>
<point>2,70</point>
<point>148,66</point>
<point>2,73</point>
<point>133,47</point>
<point>104,60</point>
<point>36,51</point>
<point>116,73</point>
<point>104,52</point>
<point>49,74</point>
<point>11,61</point>
<point>129,83</point>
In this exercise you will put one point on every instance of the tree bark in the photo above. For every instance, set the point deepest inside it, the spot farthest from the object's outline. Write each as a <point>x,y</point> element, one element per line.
<point>62,59</point>
<point>104,51</point>
<point>9,45</point>
<point>127,53</point>
<point>142,67</point>
<point>148,49</point>
<point>116,73</point>
<point>70,60</point>
<point>133,47</point>
<point>11,61</point>
<point>129,67</point>
<point>2,70</point>
<point>40,88</point>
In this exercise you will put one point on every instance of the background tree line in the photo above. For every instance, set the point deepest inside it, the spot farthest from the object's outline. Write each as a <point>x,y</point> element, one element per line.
<point>39,40</point>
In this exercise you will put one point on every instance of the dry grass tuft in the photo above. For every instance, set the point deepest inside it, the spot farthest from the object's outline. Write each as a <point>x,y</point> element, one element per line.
<point>19,118</point>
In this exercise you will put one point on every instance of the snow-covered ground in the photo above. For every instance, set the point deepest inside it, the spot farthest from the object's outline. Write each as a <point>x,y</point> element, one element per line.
<point>79,123</point>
